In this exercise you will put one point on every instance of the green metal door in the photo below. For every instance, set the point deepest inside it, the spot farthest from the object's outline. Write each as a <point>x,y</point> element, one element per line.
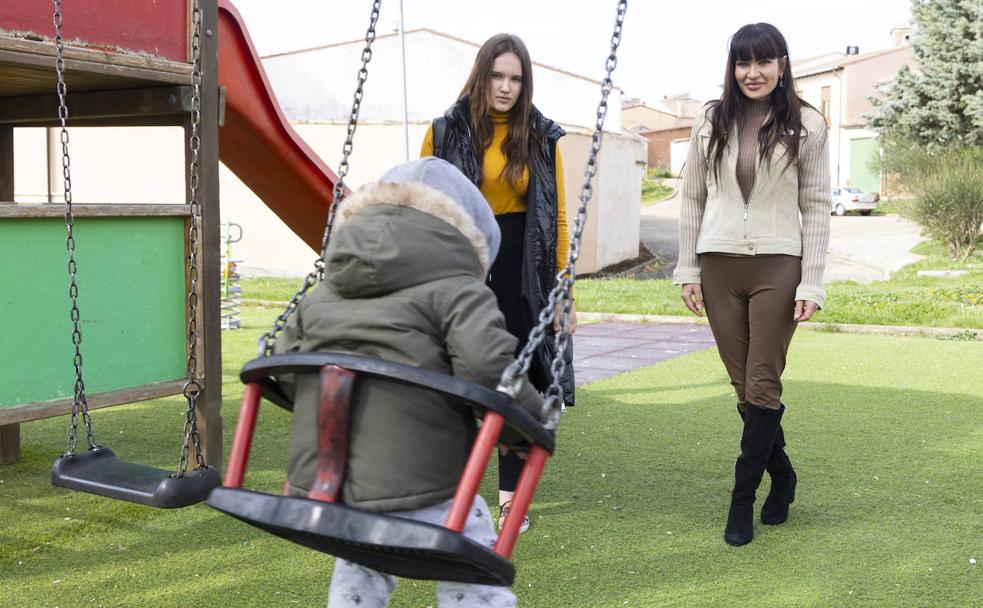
<point>865,164</point>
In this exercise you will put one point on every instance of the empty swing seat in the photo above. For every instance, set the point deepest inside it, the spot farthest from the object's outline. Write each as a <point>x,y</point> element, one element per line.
<point>98,471</point>
<point>387,543</point>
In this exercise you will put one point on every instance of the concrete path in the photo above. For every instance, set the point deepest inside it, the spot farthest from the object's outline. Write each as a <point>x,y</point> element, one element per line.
<point>861,248</point>
<point>659,232</point>
<point>603,350</point>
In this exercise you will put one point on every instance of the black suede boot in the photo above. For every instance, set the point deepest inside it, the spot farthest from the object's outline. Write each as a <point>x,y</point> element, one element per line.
<point>783,481</point>
<point>760,428</point>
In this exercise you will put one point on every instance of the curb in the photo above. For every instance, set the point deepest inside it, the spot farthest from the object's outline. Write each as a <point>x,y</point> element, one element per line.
<point>847,328</point>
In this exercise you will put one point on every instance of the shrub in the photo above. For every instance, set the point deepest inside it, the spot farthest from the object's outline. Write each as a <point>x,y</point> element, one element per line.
<point>948,203</point>
<point>658,173</point>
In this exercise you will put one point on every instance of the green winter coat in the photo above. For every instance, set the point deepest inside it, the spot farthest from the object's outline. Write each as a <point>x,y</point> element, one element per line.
<point>403,286</point>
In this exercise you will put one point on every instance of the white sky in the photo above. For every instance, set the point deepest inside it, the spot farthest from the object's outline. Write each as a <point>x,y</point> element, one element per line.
<point>668,47</point>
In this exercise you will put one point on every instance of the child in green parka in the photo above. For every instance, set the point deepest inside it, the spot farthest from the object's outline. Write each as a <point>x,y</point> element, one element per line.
<point>405,282</point>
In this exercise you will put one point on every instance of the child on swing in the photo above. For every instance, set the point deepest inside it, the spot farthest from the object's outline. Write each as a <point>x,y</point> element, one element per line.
<point>405,282</point>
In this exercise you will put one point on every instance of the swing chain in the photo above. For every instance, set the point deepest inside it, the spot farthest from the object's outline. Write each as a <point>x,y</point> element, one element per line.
<point>560,294</point>
<point>79,404</point>
<point>346,149</point>
<point>269,338</point>
<point>192,388</point>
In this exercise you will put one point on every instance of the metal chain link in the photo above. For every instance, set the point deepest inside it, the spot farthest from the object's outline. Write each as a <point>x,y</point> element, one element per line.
<point>268,339</point>
<point>192,387</point>
<point>79,404</point>
<point>560,294</point>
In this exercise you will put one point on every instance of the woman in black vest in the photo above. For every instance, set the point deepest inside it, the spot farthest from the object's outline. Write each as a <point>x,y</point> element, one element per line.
<point>503,144</point>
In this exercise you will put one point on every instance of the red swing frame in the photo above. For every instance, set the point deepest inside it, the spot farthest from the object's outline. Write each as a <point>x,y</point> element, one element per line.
<point>336,384</point>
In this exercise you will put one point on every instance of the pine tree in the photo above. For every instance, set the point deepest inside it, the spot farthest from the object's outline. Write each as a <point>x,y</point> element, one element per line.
<point>940,103</point>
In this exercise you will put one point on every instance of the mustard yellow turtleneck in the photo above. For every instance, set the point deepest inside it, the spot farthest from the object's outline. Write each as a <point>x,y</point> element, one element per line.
<point>501,196</point>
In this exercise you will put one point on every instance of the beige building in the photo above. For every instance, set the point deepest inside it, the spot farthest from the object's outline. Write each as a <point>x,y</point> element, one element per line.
<point>839,85</point>
<point>663,124</point>
<point>638,116</point>
<point>314,88</point>
<point>306,83</point>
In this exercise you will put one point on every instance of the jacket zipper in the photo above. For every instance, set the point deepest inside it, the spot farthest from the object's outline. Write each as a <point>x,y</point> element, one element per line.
<point>745,221</point>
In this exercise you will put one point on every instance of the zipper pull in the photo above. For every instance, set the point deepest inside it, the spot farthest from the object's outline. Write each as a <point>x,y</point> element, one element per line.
<point>745,214</point>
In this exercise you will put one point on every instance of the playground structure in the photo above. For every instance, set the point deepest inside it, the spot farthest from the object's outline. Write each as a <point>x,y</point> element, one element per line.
<point>132,303</point>
<point>132,280</point>
<point>262,149</point>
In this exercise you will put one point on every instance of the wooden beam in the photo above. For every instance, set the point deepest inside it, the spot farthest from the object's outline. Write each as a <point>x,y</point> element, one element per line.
<point>42,52</point>
<point>35,210</point>
<point>6,163</point>
<point>37,110</point>
<point>46,409</point>
<point>9,443</point>
<point>210,305</point>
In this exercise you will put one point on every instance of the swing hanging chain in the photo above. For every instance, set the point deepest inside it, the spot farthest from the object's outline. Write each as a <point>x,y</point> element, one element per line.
<point>346,149</point>
<point>269,338</point>
<point>560,294</point>
<point>192,387</point>
<point>79,404</point>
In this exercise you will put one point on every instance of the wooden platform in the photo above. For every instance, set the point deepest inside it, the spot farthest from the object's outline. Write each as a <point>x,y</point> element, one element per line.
<point>27,68</point>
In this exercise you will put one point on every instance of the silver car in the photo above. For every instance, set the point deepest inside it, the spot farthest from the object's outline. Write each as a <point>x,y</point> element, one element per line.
<point>853,199</point>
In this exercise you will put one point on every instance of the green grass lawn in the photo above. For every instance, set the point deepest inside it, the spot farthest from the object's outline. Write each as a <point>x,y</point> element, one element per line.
<point>904,300</point>
<point>654,191</point>
<point>886,434</point>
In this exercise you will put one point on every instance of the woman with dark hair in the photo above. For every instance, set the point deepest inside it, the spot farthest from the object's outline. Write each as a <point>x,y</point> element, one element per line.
<point>504,145</point>
<point>753,232</point>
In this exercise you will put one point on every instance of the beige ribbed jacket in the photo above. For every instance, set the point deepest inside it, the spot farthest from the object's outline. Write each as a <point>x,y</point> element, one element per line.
<point>787,211</point>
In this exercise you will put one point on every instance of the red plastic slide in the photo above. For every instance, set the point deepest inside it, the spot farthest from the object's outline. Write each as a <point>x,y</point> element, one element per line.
<point>259,145</point>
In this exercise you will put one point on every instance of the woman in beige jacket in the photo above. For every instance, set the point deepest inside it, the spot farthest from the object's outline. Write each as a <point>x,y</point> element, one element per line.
<point>753,232</point>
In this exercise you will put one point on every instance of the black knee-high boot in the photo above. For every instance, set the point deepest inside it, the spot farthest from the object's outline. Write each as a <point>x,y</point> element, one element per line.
<point>783,481</point>
<point>760,428</point>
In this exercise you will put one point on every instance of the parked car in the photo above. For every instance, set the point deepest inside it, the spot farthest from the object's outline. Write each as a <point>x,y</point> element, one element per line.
<point>853,199</point>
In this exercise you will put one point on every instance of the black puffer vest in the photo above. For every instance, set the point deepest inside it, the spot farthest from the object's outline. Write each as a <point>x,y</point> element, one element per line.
<point>452,142</point>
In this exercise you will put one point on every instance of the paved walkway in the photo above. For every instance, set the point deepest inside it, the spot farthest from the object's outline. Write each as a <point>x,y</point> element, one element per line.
<point>861,249</point>
<point>603,350</point>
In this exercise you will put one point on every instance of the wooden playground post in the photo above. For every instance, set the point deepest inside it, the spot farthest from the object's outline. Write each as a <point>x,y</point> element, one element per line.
<point>210,311</point>
<point>9,433</point>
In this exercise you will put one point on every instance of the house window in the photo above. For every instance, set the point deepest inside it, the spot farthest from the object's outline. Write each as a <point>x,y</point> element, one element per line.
<point>824,103</point>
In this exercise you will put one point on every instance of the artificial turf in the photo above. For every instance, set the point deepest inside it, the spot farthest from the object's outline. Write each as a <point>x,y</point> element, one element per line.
<point>886,434</point>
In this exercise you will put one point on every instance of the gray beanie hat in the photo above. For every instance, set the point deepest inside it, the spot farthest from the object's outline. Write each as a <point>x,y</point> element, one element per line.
<point>447,179</point>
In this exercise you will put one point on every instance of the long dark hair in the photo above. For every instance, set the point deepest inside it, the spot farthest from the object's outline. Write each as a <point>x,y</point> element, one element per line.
<point>757,41</point>
<point>517,144</point>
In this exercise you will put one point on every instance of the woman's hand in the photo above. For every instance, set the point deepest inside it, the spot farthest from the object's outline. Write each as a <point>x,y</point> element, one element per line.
<point>692,295</point>
<point>804,309</point>
<point>571,322</point>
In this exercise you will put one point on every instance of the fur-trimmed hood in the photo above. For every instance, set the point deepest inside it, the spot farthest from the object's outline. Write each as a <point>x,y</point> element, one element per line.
<point>389,236</point>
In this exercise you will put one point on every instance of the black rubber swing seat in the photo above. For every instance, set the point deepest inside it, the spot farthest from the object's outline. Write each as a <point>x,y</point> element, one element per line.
<point>383,542</point>
<point>398,546</point>
<point>98,471</point>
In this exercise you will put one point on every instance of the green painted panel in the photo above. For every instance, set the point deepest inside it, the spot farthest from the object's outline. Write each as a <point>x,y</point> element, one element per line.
<point>865,169</point>
<point>131,298</point>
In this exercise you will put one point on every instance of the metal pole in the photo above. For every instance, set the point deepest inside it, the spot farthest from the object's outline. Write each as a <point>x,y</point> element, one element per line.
<point>402,54</point>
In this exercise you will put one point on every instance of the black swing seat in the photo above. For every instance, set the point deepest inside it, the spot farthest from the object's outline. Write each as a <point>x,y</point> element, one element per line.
<point>387,543</point>
<point>98,471</point>
<point>265,370</point>
<point>398,546</point>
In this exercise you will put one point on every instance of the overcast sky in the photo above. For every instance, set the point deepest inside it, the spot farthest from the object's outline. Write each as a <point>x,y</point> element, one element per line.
<point>668,47</point>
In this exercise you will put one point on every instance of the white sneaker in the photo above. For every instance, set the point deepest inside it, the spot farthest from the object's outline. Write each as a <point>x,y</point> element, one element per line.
<point>503,511</point>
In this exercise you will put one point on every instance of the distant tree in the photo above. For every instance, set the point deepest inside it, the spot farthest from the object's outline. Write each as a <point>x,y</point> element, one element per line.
<point>940,102</point>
